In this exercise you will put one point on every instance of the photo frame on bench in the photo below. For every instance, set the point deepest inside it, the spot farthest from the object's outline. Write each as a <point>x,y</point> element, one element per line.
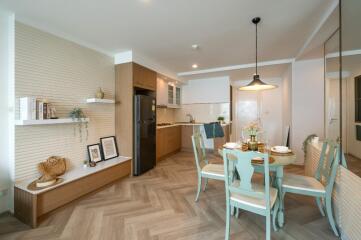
<point>109,147</point>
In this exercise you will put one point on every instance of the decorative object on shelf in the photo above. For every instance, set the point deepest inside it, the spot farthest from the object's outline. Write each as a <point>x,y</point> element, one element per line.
<point>109,147</point>
<point>99,94</point>
<point>78,115</point>
<point>94,153</point>
<point>92,164</point>
<point>220,119</point>
<point>85,163</point>
<point>50,171</point>
<point>305,143</point>
<point>52,112</point>
<point>257,84</point>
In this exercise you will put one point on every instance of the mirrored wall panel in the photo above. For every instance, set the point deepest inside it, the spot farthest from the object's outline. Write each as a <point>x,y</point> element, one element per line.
<point>351,82</point>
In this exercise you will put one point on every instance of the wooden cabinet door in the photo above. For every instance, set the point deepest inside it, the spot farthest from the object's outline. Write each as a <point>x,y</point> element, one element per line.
<point>178,135</point>
<point>160,143</point>
<point>162,92</point>
<point>144,77</point>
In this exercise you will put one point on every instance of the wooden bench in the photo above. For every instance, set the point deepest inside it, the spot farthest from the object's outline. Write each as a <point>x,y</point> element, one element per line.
<point>30,205</point>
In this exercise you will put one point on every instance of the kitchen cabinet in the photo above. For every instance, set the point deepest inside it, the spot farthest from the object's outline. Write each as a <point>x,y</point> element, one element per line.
<point>162,94</point>
<point>168,94</point>
<point>144,77</point>
<point>174,96</point>
<point>168,141</point>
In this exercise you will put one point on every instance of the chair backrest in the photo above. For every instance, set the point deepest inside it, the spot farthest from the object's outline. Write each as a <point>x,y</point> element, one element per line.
<point>199,151</point>
<point>236,160</point>
<point>328,163</point>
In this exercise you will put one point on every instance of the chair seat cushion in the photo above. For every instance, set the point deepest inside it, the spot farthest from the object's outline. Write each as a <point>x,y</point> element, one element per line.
<point>302,183</point>
<point>253,201</point>
<point>213,169</point>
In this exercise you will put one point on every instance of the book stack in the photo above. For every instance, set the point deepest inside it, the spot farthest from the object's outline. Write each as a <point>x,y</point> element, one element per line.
<point>32,108</point>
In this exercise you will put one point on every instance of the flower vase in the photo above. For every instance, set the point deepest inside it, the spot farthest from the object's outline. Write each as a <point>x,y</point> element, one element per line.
<point>253,144</point>
<point>99,94</point>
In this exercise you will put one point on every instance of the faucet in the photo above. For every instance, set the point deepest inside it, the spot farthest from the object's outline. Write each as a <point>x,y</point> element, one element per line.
<point>191,118</point>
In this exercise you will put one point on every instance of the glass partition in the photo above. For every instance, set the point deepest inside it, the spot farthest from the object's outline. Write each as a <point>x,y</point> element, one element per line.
<point>332,59</point>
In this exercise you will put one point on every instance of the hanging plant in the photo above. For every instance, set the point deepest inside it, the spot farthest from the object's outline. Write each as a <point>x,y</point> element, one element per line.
<point>306,142</point>
<point>78,116</point>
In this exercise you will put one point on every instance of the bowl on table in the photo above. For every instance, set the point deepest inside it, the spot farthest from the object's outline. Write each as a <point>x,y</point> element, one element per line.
<point>280,149</point>
<point>232,145</point>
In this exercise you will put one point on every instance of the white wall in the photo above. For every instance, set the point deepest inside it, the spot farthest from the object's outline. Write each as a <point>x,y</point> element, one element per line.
<point>248,104</point>
<point>286,101</point>
<point>65,73</point>
<point>6,112</point>
<point>210,90</point>
<point>307,102</point>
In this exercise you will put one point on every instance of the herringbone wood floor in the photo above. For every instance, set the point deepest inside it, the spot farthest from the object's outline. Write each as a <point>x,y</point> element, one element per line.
<point>160,205</point>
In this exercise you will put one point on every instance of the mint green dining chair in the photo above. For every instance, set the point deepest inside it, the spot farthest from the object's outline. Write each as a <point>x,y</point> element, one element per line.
<point>321,185</point>
<point>205,170</point>
<point>243,193</point>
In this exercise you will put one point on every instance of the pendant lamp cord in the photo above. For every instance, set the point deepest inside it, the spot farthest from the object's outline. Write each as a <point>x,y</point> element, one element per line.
<point>256,48</point>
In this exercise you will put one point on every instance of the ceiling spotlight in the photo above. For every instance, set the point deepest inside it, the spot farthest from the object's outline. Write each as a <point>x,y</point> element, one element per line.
<point>195,46</point>
<point>194,66</point>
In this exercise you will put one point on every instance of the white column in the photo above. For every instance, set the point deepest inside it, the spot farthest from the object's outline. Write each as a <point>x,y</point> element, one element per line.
<point>7,59</point>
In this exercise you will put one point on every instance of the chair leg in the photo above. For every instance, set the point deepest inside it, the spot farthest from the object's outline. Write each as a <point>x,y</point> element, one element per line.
<point>274,215</point>
<point>199,187</point>
<point>205,184</point>
<point>268,226</point>
<point>331,220</point>
<point>237,212</point>
<point>320,206</point>
<point>228,220</point>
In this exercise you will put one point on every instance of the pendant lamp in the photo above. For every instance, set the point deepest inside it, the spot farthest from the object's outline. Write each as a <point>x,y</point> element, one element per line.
<point>257,84</point>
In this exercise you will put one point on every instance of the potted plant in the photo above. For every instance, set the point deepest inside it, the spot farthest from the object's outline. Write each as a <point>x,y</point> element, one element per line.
<point>220,119</point>
<point>78,116</point>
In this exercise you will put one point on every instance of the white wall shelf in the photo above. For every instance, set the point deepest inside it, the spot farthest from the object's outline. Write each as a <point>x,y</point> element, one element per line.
<point>98,100</point>
<point>48,121</point>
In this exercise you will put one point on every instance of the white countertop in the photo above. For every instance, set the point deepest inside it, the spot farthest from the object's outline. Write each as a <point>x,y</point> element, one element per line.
<point>187,124</point>
<point>75,174</point>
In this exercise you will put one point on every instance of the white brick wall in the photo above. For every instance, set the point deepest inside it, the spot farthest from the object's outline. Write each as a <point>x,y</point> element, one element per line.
<point>66,73</point>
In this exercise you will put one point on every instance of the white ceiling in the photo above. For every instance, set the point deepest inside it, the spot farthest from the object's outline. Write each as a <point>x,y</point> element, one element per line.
<point>164,30</point>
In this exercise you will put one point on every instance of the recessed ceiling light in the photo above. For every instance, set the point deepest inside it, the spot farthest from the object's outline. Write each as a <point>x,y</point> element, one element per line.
<point>195,46</point>
<point>194,66</point>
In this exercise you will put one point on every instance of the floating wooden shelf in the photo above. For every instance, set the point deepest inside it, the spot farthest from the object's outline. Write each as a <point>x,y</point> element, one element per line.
<point>48,121</point>
<point>99,100</point>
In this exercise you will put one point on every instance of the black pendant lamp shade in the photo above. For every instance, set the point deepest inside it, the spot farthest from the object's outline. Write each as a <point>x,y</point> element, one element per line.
<point>257,84</point>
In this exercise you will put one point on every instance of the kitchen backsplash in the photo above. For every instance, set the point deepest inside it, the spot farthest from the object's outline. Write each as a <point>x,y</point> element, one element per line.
<point>166,115</point>
<point>203,112</point>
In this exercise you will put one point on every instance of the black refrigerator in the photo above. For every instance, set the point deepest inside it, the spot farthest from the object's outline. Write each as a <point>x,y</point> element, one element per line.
<point>144,134</point>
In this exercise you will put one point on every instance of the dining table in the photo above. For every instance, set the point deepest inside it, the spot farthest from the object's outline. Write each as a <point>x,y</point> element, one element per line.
<point>277,162</point>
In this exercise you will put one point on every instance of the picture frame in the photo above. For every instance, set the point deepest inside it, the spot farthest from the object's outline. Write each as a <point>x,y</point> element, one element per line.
<point>109,147</point>
<point>95,153</point>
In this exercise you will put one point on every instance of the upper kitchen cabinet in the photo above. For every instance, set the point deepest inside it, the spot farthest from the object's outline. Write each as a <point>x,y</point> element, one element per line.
<point>168,94</point>
<point>144,77</point>
<point>209,90</point>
